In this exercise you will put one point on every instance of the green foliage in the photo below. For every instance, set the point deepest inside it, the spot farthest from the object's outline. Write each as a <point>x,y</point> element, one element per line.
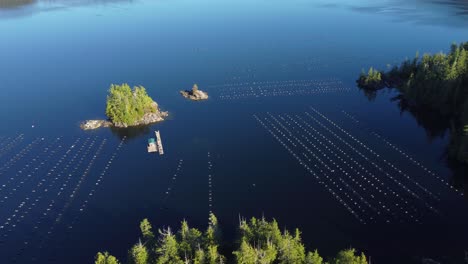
<point>168,248</point>
<point>371,81</point>
<point>438,81</point>
<point>246,254</point>
<point>126,106</point>
<point>138,254</point>
<point>313,258</point>
<point>145,228</point>
<point>105,258</point>
<point>349,256</point>
<point>291,250</point>
<point>261,242</point>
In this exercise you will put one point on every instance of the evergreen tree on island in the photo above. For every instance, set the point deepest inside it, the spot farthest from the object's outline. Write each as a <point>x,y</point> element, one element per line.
<point>128,107</point>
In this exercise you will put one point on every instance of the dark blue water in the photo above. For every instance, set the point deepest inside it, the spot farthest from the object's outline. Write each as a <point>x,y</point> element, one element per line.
<point>286,130</point>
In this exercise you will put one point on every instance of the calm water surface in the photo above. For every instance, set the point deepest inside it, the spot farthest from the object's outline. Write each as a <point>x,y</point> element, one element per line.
<point>287,132</point>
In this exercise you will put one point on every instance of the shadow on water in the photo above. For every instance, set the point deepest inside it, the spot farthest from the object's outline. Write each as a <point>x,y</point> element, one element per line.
<point>22,8</point>
<point>436,126</point>
<point>436,12</point>
<point>131,132</point>
<point>8,4</point>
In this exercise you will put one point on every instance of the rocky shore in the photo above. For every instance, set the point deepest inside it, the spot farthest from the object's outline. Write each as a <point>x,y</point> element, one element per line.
<point>148,118</point>
<point>194,94</point>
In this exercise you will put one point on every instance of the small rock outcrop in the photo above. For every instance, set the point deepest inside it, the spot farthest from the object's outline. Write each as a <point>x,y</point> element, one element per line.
<point>94,124</point>
<point>194,94</point>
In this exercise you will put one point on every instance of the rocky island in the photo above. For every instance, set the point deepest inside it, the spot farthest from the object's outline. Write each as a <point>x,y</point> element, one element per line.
<point>128,107</point>
<point>194,94</point>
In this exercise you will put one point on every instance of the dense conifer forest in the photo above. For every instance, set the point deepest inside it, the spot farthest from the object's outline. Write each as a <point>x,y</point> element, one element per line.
<point>127,106</point>
<point>259,242</point>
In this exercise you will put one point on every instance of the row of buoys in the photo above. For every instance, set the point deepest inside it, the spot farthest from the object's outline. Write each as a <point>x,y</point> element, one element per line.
<point>374,164</point>
<point>334,173</point>
<point>4,141</point>
<point>18,156</point>
<point>75,192</point>
<point>347,167</point>
<point>243,84</point>
<point>281,88</point>
<point>171,186</point>
<point>407,209</point>
<point>98,181</point>
<point>54,184</point>
<point>284,85</point>
<point>360,169</point>
<point>61,171</point>
<point>36,195</point>
<point>330,186</point>
<point>29,170</point>
<point>41,214</point>
<point>261,94</point>
<point>29,205</point>
<point>402,153</point>
<point>388,163</point>
<point>210,183</point>
<point>10,143</point>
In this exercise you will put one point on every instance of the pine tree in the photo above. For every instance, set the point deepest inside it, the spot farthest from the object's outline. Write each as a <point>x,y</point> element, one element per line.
<point>290,249</point>
<point>105,258</point>
<point>314,258</point>
<point>168,248</point>
<point>246,254</point>
<point>145,228</point>
<point>348,256</point>
<point>139,254</point>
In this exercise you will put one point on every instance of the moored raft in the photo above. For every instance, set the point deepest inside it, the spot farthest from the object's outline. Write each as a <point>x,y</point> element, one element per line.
<point>152,145</point>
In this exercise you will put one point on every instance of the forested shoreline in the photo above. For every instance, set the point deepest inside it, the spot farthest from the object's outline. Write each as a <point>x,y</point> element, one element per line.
<point>438,82</point>
<point>259,241</point>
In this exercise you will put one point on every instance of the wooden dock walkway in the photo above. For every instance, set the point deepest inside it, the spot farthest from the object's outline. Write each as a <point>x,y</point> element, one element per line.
<point>159,142</point>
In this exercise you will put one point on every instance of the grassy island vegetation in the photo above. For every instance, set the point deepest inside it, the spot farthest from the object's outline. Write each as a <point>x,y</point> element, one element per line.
<point>260,242</point>
<point>126,106</point>
<point>438,82</point>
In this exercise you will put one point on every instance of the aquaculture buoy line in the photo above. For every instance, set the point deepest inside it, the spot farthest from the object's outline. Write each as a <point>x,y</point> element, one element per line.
<point>334,173</point>
<point>375,165</point>
<point>28,206</point>
<point>243,84</point>
<point>331,188</point>
<point>173,182</point>
<point>368,180</point>
<point>29,170</point>
<point>367,191</point>
<point>210,184</point>
<point>44,211</point>
<point>3,141</point>
<point>279,88</point>
<point>394,168</point>
<point>19,156</point>
<point>31,202</point>
<point>403,153</point>
<point>69,195</point>
<point>10,144</point>
<point>343,166</point>
<point>84,204</point>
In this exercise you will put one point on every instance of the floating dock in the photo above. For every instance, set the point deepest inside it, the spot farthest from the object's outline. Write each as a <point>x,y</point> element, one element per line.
<point>159,142</point>
<point>152,146</point>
